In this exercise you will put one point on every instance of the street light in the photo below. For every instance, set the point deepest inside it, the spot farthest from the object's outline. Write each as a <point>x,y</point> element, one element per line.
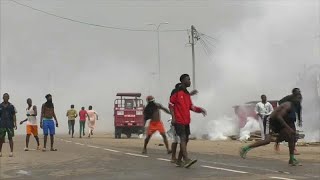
<point>158,36</point>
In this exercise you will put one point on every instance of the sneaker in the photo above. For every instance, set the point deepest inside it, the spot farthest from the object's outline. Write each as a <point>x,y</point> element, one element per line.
<point>296,152</point>
<point>189,163</point>
<point>169,151</point>
<point>38,148</point>
<point>26,149</point>
<point>174,161</point>
<point>10,154</point>
<point>243,153</point>
<point>294,162</point>
<point>179,163</point>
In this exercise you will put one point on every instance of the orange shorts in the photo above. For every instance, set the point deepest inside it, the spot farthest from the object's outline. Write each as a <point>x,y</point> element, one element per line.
<point>155,126</point>
<point>32,129</point>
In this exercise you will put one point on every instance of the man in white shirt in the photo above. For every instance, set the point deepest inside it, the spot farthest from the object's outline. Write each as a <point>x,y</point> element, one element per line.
<point>263,110</point>
<point>32,124</point>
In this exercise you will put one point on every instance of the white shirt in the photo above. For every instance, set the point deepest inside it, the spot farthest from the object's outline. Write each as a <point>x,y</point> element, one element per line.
<point>263,109</point>
<point>92,115</point>
<point>32,120</point>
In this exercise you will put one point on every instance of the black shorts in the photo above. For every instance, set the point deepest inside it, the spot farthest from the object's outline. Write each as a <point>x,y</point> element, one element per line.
<point>183,131</point>
<point>276,126</point>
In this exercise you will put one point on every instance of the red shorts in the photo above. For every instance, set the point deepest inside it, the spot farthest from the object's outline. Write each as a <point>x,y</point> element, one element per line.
<point>155,126</point>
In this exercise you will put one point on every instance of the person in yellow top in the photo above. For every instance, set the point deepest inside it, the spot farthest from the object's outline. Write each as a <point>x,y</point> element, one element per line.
<point>72,114</point>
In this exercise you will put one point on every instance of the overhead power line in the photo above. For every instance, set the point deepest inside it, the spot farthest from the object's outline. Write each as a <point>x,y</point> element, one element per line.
<point>92,24</point>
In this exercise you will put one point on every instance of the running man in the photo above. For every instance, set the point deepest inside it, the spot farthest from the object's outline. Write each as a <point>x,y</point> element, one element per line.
<point>7,122</point>
<point>295,115</point>
<point>47,122</point>
<point>83,115</point>
<point>176,139</point>
<point>72,115</point>
<point>180,105</point>
<point>92,117</point>
<point>152,112</point>
<point>279,122</point>
<point>32,124</point>
<point>263,110</point>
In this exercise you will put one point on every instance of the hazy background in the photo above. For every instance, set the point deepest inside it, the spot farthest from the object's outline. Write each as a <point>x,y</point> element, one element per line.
<point>261,48</point>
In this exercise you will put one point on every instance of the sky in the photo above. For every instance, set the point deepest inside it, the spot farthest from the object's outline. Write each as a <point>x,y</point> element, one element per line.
<point>257,47</point>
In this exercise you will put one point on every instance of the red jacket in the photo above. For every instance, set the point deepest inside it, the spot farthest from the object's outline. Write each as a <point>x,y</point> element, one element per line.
<point>181,103</point>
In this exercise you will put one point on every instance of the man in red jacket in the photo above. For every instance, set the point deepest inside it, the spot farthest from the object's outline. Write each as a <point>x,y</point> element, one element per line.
<point>180,106</point>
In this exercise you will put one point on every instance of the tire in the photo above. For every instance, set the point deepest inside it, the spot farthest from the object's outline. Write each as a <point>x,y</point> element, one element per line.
<point>117,133</point>
<point>128,135</point>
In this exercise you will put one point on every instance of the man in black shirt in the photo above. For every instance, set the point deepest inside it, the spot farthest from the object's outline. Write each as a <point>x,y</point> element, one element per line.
<point>7,122</point>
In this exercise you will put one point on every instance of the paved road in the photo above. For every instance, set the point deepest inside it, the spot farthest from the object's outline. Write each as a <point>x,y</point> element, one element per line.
<point>85,159</point>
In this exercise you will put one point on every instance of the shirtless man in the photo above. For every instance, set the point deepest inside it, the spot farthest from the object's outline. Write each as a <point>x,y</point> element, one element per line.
<point>294,115</point>
<point>47,122</point>
<point>279,122</point>
<point>152,112</point>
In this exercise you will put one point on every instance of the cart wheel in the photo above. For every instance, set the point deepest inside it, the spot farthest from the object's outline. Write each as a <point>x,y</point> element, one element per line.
<point>117,133</point>
<point>129,135</point>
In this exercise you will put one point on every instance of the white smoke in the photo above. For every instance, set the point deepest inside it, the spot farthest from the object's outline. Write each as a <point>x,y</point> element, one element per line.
<point>262,46</point>
<point>262,55</point>
<point>309,83</point>
<point>252,125</point>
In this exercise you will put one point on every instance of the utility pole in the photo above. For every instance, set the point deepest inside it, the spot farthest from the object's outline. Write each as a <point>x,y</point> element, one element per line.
<point>193,33</point>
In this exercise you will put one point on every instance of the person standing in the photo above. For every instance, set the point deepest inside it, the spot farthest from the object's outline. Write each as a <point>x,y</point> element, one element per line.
<point>176,139</point>
<point>32,124</point>
<point>8,122</point>
<point>47,119</point>
<point>263,110</point>
<point>180,106</point>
